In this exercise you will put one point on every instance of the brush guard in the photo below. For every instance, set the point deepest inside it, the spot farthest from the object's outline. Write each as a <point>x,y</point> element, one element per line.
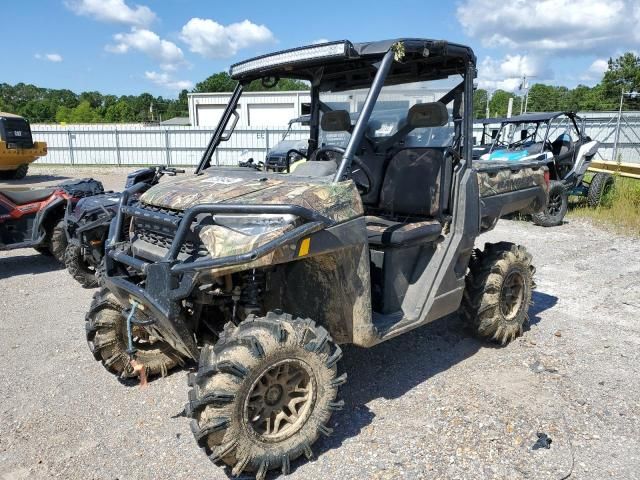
<point>170,280</point>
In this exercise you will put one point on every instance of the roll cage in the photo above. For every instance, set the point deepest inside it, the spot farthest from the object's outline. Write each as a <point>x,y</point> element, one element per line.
<point>342,65</point>
<point>539,119</point>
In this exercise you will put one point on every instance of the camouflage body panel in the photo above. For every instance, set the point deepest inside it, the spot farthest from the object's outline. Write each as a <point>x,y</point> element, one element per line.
<point>510,178</point>
<point>337,201</point>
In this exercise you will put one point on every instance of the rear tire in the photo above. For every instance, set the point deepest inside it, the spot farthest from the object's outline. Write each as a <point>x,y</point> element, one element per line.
<point>264,393</point>
<point>78,267</point>
<point>58,241</point>
<point>107,338</point>
<point>601,184</point>
<point>498,291</point>
<point>556,208</point>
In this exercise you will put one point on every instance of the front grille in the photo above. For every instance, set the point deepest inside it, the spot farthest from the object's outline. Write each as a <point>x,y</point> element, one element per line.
<point>277,160</point>
<point>162,236</point>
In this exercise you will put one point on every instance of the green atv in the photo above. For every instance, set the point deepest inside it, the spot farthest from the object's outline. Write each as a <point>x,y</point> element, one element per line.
<point>260,276</point>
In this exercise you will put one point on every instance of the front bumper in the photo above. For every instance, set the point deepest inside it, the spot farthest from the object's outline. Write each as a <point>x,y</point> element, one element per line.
<point>172,279</point>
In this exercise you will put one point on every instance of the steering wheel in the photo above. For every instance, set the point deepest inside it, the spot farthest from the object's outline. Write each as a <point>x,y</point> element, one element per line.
<point>322,154</point>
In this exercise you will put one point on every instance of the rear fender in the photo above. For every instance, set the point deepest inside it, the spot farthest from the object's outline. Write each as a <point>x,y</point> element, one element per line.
<point>48,216</point>
<point>583,159</point>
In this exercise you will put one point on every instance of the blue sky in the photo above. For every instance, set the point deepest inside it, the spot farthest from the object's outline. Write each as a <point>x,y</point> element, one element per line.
<point>160,46</point>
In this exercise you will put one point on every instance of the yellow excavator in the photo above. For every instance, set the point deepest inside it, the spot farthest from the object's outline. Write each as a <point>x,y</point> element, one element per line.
<point>17,148</point>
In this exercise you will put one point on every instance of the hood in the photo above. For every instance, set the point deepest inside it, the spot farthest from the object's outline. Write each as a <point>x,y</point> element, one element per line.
<point>338,201</point>
<point>285,145</point>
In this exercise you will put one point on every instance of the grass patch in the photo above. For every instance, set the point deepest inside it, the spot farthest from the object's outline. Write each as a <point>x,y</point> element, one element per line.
<point>620,208</point>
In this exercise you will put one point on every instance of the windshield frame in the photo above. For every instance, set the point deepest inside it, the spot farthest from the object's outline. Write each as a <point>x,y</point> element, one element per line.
<point>383,69</point>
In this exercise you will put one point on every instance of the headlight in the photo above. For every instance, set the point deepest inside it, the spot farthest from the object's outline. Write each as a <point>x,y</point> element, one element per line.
<point>254,224</point>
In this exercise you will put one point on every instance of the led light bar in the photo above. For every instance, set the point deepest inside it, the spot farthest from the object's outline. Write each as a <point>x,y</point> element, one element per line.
<point>325,50</point>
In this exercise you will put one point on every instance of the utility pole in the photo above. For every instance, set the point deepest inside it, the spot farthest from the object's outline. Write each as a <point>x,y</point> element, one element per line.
<point>488,99</point>
<point>619,121</point>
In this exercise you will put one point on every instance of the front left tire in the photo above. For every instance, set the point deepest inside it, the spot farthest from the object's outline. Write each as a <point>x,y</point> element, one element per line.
<point>264,393</point>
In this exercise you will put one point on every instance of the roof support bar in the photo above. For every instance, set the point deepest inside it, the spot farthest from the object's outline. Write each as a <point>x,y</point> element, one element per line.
<point>363,118</point>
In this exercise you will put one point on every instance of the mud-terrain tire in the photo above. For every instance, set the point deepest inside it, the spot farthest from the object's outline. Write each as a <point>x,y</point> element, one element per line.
<point>106,326</point>
<point>264,393</point>
<point>601,184</point>
<point>58,241</point>
<point>78,267</point>
<point>557,206</point>
<point>498,291</point>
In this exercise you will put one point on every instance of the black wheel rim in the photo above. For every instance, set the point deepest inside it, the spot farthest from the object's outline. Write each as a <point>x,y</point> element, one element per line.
<point>512,295</point>
<point>555,204</point>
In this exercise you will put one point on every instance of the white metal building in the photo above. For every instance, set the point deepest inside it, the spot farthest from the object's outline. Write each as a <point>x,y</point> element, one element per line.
<point>256,109</point>
<point>275,109</point>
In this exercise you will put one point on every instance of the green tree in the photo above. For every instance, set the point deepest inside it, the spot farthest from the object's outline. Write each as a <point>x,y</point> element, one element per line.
<point>119,112</point>
<point>623,74</point>
<point>499,103</point>
<point>548,98</point>
<point>480,103</point>
<point>218,82</point>
<point>84,113</point>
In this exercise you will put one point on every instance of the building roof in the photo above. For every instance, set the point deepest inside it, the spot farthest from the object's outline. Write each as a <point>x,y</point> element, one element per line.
<point>9,115</point>
<point>180,121</point>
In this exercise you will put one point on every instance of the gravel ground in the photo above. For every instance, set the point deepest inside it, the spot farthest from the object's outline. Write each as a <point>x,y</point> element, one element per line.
<point>435,403</point>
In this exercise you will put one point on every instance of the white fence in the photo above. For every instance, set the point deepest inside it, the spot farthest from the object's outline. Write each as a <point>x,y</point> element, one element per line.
<point>183,146</point>
<point>130,145</point>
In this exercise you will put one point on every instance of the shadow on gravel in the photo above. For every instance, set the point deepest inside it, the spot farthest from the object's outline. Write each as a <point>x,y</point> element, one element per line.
<point>32,179</point>
<point>541,302</point>
<point>27,265</point>
<point>391,369</point>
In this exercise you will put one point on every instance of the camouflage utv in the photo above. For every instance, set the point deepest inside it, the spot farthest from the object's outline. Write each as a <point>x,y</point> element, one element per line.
<point>260,276</point>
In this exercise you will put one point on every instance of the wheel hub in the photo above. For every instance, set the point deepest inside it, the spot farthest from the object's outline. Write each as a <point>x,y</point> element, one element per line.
<point>280,400</point>
<point>512,295</point>
<point>555,204</point>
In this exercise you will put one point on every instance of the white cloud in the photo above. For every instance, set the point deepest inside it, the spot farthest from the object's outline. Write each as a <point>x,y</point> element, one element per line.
<point>50,57</point>
<point>320,40</point>
<point>553,26</point>
<point>167,53</point>
<point>212,40</point>
<point>164,80</point>
<point>595,72</point>
<point>113,11</point>
<point>507,73</point>
<point>599,66</point>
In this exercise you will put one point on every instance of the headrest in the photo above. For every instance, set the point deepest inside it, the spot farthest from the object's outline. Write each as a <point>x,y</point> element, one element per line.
<point>336,121</point>
<point>432,114</point>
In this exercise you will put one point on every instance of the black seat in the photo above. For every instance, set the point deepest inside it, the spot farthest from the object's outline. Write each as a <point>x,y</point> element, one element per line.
<point>411,191</point>
<point>22,197</point>
<point>562,145</point>
<point>384,232</point>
